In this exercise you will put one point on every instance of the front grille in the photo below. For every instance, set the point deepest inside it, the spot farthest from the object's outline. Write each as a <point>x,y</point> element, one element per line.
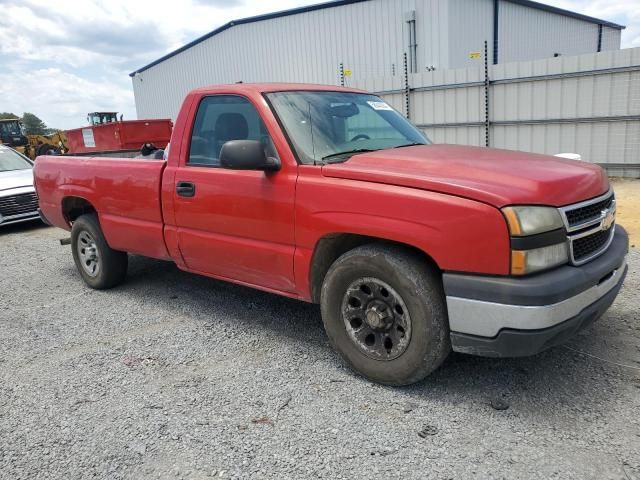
<point>585,247</point>
<point>590,227</point>
<point>589,212</point>
<point>18,204</point>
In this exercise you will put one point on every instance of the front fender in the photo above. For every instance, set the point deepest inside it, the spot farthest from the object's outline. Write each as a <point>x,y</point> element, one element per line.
<point>459,234</point>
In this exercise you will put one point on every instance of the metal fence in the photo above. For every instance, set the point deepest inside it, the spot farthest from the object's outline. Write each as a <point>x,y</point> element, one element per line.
<point>586,104</point>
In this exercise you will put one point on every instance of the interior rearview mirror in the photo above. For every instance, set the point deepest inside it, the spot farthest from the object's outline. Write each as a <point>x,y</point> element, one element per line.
<point>344,110</point>
<point>246,155</point>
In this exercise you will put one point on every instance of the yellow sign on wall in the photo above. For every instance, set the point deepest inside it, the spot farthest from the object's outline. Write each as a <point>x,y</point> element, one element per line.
<point>347,72</point>
<point>475,55</point>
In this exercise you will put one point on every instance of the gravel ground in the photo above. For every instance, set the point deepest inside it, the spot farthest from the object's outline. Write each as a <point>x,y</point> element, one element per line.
<point>177,376</point>
<point>628,203</point>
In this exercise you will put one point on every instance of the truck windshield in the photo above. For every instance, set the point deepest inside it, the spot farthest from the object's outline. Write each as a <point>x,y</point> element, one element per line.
<point>12,160</point>
<point>328,127</point>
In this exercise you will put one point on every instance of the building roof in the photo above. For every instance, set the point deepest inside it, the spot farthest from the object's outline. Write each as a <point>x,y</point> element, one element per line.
<point>339,3</point>
<point>567,13</point>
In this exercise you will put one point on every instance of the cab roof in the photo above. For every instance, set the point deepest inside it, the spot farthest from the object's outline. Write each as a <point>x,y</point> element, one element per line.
<point>273,87</point>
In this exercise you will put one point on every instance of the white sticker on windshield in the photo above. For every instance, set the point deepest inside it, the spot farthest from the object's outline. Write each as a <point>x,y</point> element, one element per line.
<point>379,106</point>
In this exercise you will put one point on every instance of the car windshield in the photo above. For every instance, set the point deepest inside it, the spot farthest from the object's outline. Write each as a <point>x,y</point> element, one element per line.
<point>327,127</point>
<point>12,160</point>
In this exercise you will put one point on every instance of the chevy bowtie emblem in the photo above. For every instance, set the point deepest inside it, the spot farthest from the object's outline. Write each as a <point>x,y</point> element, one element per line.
<point>608,218</point>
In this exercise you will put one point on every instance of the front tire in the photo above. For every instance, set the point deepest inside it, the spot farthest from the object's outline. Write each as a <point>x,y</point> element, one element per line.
<point>100,266</point>
<point>383,308</point>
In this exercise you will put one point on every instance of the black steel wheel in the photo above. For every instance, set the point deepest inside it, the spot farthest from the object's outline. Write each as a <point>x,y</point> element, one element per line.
<point>384,311</point>
<point>376,318</point>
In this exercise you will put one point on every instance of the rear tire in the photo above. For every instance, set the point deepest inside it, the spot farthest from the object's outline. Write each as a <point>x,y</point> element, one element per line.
<point>383,308</point>
<point>100,266</point>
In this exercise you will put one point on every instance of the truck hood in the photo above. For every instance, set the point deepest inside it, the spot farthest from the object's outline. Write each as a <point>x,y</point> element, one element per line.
<point>16,179</point>
<point>496,177</point>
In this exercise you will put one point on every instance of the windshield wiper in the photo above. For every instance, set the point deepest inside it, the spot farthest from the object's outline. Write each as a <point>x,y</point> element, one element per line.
<point>409,145</point>
<point>347,152</point>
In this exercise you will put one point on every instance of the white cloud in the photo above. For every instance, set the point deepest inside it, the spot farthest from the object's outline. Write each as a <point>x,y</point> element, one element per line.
<point>136,30</point>
<point>61,99</point>
<point>63,58</point>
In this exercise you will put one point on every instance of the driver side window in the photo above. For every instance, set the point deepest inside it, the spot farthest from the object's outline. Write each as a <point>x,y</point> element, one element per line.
<point>221,118</point>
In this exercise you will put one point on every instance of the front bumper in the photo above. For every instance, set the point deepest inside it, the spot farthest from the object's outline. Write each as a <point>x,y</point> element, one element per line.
<point>24,217</point>
<point>515,317</point>
<point>13,210</point>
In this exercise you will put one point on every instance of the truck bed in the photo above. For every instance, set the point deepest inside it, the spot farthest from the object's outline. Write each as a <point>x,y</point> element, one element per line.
<point>125,192</point>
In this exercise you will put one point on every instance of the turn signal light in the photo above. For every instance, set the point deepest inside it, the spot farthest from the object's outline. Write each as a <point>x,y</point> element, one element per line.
<point>518,262</point>
<point>524,262</point>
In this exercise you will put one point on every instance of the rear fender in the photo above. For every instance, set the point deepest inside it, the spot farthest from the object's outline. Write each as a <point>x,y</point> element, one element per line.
<point>121,233</point>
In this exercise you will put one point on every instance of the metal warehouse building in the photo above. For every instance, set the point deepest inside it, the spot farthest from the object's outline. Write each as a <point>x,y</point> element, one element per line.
<point>369,38</point>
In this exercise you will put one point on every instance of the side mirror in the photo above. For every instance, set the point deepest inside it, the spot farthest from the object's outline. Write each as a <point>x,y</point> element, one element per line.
<point>246,155</point>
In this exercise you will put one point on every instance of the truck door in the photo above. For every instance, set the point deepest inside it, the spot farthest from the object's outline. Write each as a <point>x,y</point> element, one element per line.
<point>233,224</point>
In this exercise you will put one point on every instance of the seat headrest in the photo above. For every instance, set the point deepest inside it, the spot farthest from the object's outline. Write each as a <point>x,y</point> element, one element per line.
<point>231,126</point>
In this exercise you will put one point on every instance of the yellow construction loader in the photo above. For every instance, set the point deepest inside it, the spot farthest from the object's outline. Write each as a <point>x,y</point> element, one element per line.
<point>53,144</point>
<point>12,134</point>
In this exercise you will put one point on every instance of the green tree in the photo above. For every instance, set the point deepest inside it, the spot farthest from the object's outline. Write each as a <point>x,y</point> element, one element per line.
<point>33,125</point>
<point>5,115</point>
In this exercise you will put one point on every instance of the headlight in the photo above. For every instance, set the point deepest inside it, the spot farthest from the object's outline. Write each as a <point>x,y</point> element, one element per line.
<point>524,262</point>
<point>529,220</point>
<point>538,238</point>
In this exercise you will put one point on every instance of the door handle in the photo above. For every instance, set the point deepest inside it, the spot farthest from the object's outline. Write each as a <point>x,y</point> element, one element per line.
<point>185,189</point>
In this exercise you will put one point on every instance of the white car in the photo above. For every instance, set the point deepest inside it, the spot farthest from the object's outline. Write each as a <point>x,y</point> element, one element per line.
<point>18,199</point>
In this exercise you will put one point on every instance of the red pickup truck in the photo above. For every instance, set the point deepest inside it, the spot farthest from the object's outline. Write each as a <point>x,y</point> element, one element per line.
<point>330,196</point>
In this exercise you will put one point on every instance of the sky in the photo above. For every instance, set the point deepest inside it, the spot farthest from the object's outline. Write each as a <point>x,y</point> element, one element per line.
<point>61,59</point>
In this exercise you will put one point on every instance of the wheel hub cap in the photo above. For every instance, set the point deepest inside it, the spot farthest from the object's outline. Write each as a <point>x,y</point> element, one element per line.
<point>378,315</point>
<point>88,254</point>
<point>376,319</point>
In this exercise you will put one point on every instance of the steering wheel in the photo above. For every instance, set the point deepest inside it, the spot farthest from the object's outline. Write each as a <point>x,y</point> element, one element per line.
<point>361,136</point>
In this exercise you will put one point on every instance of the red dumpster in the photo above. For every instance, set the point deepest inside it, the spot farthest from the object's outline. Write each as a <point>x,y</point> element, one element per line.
<point>116,136</point>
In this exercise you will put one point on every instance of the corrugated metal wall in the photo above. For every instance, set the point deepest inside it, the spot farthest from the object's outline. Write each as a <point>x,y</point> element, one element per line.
<point>530,34</point>
<point>369,38</point>
<point>548,106</point>
<point>590,114</point>
<point>432,33</point>
<point>439,100</point>
<point>470,24</point>
<point>586,104</point>
<point>386,84</point>
<point>611,38</point>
